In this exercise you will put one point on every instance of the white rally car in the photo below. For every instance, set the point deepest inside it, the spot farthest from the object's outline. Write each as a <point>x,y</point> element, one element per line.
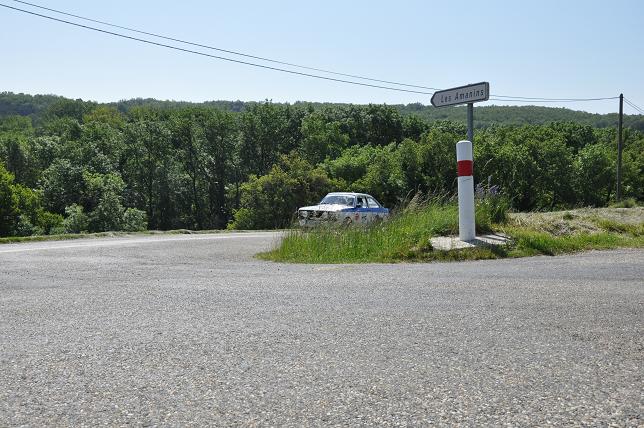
<point>343,207</point>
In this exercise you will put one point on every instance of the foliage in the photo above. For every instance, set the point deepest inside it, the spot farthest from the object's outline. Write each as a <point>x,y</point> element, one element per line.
<point>270,201</point>
<point>76,221</point>
<point>134,220</point>
<point>8,203</point>
<point>492,207</point>
<point>250,165</point>
<point>594,174</point>
<point>21,210</point>
<point>104,196</point>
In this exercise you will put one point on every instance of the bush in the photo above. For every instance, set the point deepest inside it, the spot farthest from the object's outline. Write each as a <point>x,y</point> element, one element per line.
<point>108,214</point>
<point>24,227</point>
<point>135,220</point>
<point>59,230</point>
<point>491,207</point>
<point>49,221</point>
<point>270,201</point>
<point>625,203</point>
<point>77,221</point>
<point>8,203</point>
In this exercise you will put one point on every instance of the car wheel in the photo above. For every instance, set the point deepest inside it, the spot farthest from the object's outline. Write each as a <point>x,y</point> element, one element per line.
<point>348,221</point>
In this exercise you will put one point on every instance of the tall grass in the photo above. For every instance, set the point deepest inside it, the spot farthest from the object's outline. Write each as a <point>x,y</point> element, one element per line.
<point>405,235</point>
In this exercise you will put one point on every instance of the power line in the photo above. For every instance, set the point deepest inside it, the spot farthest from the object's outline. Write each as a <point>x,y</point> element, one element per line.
<point>214,56</point>
<point>560,100</point>
<point>496,97</point>
<point>537,99</point>
<point>632,104</point>
<point>224,50</point>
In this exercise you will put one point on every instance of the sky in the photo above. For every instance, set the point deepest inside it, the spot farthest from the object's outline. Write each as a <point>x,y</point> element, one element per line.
<point>546,49</point>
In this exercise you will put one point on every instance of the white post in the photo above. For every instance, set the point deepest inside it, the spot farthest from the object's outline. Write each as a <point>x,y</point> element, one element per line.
<point>464,159</point>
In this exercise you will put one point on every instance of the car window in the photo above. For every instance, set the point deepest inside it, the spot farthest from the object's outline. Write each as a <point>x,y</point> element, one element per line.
<point>338,200</point>
<point>361,202</point>
<point>373,203</point>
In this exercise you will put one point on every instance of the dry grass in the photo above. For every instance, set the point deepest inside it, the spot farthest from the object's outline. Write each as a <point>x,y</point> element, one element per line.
<point>582,220</point>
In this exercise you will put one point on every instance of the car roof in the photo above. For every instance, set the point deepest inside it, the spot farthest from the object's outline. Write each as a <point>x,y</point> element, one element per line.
<point>347,194</point>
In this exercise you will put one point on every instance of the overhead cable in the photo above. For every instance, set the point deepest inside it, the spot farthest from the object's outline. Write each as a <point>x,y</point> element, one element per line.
<point>214,56</point>
<point>496,97</point>
<point>632,104</point>
<point>560,100</point>
<point>134,30</point>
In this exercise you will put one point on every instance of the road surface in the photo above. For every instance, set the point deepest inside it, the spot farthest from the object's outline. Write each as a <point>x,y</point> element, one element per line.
<point>192,330</point>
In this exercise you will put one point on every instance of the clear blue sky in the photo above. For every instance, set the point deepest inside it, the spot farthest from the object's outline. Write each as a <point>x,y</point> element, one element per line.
<point>539,48</point>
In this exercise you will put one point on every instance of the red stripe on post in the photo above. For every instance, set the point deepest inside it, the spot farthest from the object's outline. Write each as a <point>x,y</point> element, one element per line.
<point>465,168</point>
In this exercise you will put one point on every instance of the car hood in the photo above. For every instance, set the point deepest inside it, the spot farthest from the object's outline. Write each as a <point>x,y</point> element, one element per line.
<point>326,207</point>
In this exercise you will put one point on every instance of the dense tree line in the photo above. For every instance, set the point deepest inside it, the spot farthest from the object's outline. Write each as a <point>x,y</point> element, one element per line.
<point>77,166</point>
<point>38,106</point>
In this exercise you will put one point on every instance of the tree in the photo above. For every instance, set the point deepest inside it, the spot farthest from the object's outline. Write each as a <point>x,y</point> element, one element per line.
<point>270,201</point>
<point>62,184</point>
<point>384,177</point>
<point>8,203</point>
<point>264,135</point>
<point>76,221</point>
<point>21,211</point>
<point>594,170</point>
<point>321,139</point>
<point>104,197</point>
<point>218,149</point>
<point>187,138</point>
<point>147,156</point>
<point>385,125</point>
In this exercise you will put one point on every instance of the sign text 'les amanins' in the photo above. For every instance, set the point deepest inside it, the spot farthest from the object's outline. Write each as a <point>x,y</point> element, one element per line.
<point>462,95</point>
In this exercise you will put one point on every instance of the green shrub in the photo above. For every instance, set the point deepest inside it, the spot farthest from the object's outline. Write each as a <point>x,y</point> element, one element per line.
<point>271,201</point>
<point>135,220</point>
<point>58,230</point>
<point>492,207</point>
<point>49,221</point>
<point>108,214</point>
<point>24,227</point>
<point>625,203</point>
<point>76,221</point>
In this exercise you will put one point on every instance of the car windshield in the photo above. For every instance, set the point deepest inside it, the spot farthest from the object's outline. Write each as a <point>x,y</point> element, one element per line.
<point>338,200</point>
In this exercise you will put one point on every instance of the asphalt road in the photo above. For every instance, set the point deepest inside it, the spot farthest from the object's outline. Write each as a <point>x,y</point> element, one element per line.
<point>192,330</point>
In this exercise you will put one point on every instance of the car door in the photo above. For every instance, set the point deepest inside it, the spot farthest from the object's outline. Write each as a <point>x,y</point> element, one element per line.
<point>362,209</point>
<point>375,209</point>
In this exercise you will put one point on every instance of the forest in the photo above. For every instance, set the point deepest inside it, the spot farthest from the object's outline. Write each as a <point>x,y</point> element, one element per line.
<point>70,166</point>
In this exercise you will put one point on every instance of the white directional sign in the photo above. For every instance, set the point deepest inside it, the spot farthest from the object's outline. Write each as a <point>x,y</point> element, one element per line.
<point>462,95</point>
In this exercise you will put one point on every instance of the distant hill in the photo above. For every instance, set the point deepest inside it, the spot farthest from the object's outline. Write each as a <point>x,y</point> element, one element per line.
<point>36,106</point>
<point>486,116</point>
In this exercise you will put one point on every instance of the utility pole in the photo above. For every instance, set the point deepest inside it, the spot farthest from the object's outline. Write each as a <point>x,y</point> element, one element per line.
<point>619,147</point>
<point>470,122</point>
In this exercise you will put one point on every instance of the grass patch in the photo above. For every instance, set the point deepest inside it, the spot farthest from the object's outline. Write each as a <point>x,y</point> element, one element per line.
<point>532,243</point>
<point>404,236</point>
<point>626,203</point>
<point>407,237</point>
<point>609,225</point>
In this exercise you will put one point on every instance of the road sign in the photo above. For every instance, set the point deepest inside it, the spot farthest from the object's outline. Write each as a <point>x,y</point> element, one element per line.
<point>462,95</point>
